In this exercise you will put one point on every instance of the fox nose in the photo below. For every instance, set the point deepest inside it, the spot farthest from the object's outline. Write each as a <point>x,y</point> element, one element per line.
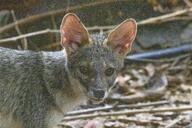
<point>99,93</point>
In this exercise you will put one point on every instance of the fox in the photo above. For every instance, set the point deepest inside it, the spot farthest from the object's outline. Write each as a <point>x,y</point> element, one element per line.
<point>38,87</point>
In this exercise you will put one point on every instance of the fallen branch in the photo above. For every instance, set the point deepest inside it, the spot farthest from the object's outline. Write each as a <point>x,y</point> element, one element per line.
<point>128,112</point>
<point>116,107</point>
<point>138,122</point>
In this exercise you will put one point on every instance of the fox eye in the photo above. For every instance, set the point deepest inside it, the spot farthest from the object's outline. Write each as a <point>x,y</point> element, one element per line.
<point>84,70</point>
<point>109,71</point>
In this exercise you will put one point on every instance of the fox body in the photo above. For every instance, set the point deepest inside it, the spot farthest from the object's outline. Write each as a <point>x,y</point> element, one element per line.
<point>37,88</point>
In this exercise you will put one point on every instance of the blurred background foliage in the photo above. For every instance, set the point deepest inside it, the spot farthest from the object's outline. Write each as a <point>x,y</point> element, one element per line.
<point>93,13</point>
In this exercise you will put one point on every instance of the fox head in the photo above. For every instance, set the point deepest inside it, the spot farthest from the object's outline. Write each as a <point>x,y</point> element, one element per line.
<point>95,62</point>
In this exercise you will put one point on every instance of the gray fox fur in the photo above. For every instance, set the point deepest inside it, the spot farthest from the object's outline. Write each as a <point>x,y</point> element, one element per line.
<point>37,88</point>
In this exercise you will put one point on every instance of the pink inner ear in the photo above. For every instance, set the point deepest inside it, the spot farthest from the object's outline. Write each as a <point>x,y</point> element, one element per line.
<point>72,31</point>
<point>122,37</point>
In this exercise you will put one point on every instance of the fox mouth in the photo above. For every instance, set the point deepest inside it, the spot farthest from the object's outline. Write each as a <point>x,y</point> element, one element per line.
<point>97,100</point>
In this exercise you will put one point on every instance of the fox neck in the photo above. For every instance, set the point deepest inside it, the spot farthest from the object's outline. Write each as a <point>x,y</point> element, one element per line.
<point>66,90</point>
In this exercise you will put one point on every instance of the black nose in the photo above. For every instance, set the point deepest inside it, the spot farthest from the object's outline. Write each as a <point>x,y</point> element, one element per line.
<point>99,93</point>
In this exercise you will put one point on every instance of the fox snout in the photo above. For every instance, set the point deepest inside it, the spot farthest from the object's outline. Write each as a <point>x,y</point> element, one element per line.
<point>99,93</point>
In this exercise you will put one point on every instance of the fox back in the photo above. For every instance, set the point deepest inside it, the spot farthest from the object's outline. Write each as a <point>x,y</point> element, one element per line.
<point>37,88</point>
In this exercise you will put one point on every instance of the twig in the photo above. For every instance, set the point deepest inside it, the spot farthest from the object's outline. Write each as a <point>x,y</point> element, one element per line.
<point>172,124</point>
<point>24,40</point>
<point>15,38</point>
<point>181,68</point>
<point>56,12</point>
<point>109,107</point>
<point>21,36</point>
<point>139,122</point>
<point>178,18</point>
<point>57,39</point>
<point>153,20</point>
<point>68,5</point>
<point>29,35</point>
<point>160,19</point>
<point>128,112</point>
<point>139,97</point>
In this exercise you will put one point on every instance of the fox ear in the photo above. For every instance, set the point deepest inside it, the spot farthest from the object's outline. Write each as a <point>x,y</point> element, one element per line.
<point>73,32</point>
<point>121,38</point>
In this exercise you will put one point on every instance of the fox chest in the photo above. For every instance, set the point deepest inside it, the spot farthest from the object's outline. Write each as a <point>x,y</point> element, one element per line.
<point>64,104</point>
